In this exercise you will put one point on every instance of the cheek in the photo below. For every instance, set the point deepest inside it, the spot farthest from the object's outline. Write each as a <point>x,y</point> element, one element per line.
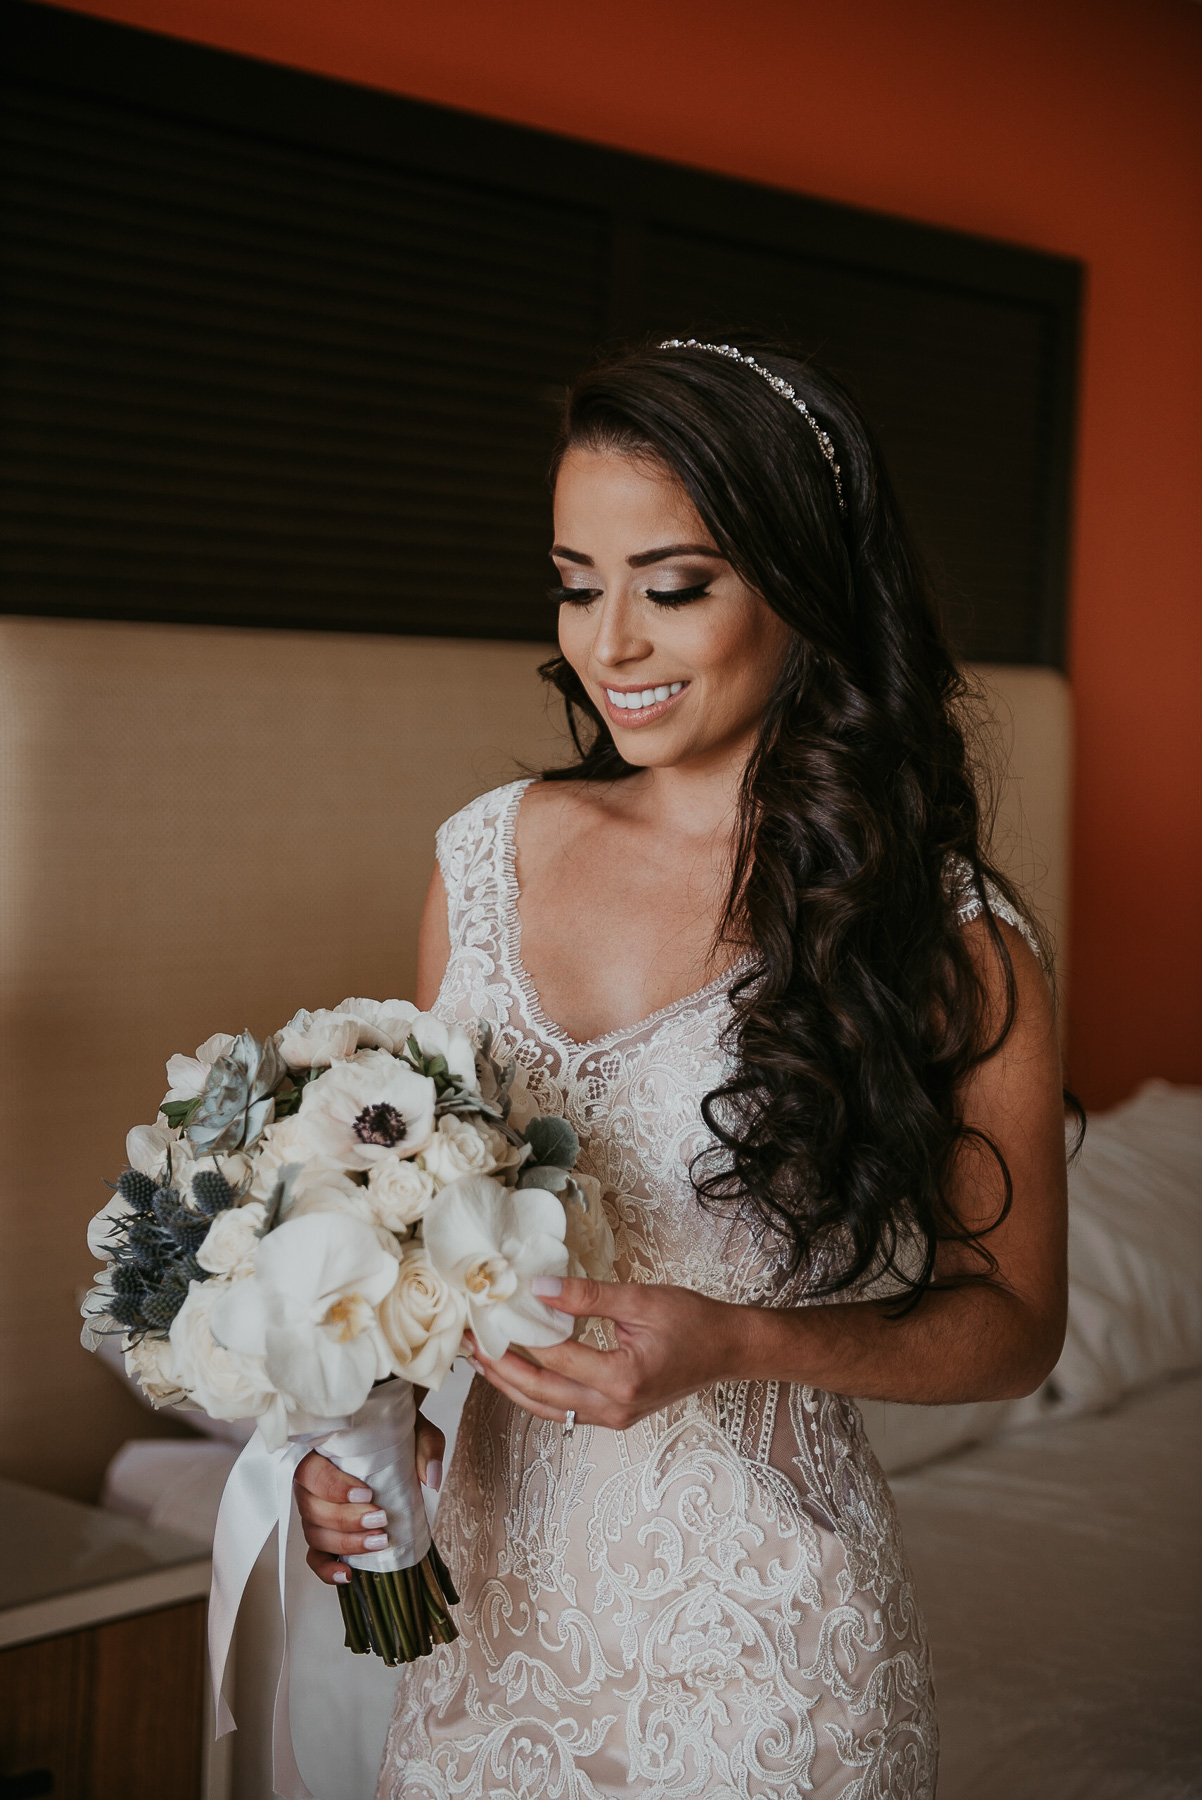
<point>575,635</point>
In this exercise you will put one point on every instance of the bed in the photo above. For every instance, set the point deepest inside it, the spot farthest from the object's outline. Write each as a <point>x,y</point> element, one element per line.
<point>1054,1540</point>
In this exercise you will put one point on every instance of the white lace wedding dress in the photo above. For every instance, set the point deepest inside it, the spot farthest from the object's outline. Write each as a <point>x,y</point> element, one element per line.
<point>714,1603</point>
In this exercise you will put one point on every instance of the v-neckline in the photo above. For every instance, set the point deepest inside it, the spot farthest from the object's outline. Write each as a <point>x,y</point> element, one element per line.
<point>510,895</point>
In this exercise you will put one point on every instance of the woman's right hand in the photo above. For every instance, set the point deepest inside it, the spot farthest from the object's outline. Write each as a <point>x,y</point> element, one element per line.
<point>339,1516</point>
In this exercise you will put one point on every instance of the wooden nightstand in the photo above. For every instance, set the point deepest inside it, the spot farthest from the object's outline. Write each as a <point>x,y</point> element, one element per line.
<point>102,1656</point>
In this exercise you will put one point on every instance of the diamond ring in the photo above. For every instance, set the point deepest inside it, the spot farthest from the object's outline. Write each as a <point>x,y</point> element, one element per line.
<point>569,1422</point>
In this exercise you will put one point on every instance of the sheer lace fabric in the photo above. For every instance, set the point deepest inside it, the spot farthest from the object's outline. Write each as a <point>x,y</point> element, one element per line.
<point>714,1603</point>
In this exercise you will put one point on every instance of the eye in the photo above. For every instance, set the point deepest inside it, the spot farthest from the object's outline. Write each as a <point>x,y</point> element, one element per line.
<point>679,596</point>
<point>573,596</point>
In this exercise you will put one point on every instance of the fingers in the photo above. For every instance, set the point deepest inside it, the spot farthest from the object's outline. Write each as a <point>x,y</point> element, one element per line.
<point>586,1299</point>
<point>328,1568</point>
<point>430,1445</point>
<point>549,1396</point>
<point>316,1474</point>
<point>336,1527</point>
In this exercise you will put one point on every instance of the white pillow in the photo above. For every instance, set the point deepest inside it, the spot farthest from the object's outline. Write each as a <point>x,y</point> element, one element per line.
<point>1135,1282</point>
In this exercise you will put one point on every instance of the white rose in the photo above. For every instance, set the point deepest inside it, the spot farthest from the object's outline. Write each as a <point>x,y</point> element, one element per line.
<point>151,1363</point>
<point>359,1112</point>
<point>589,1238</point>
<point>422,1319</point>
<point>314,1040</point>
<point>386,1023</point>
<point>229,1248</point>
<point>489,1242</point>
<point>398,1192</point>
<point>227,1384</point>
<point>468,1147</point>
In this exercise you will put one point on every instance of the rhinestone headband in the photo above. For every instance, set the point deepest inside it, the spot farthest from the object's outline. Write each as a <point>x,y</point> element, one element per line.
<point>783,389</point>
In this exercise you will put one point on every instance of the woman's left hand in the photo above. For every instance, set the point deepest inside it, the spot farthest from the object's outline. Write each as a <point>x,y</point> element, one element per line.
<point>670,1343</point>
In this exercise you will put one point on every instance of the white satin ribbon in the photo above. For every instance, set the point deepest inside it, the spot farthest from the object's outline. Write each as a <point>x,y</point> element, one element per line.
<point>376,1447</point>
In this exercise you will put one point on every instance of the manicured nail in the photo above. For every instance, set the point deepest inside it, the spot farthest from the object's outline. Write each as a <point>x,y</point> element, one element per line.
<point>357,1495</point>
<point>373,1518</point>
<point>378,1540</point>
<point>546,1287</point>
<point>434,1475</point>
<point>342,1576</point>
<point>473,1364</point>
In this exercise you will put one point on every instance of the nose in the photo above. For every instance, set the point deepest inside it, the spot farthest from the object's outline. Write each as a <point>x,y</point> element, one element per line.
<point>620,636</point>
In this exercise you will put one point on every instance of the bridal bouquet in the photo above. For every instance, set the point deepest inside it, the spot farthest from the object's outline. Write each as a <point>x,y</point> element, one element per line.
<point>309,1229</point>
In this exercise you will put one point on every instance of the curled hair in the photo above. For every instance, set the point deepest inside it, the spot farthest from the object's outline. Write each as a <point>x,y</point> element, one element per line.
<point>860,1012</point>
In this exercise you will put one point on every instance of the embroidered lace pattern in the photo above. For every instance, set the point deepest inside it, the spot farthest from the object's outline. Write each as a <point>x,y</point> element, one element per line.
<point>714,1603</point>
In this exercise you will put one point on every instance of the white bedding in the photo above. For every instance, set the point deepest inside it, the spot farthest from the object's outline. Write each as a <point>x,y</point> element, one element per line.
<point>1060,1574</point>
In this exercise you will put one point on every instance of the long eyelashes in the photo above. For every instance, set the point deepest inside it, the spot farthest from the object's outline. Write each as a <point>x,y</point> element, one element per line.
<point>679,596</point>
<point>667,597</point>
<point>574,596</point>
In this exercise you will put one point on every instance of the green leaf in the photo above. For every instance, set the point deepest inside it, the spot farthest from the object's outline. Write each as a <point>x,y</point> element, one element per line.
<point>553,1141</point>
<point>180,1112</point>
<point>548,1176</point>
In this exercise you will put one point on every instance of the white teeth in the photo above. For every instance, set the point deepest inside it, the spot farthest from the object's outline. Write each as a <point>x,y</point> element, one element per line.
<point>646,697</point>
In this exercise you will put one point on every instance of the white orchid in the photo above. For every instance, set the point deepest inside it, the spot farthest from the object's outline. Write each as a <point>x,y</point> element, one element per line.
<point>489,1242</point>
<point>147,1148</point>
<point>225,1380</point>
<point>359,1112</point>
<point>422,1318</point>
<point>186,1075</point>
<point>309,1312</point>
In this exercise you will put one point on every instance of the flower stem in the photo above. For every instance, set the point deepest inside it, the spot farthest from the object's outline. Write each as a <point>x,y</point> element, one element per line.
<point>399,1616</point>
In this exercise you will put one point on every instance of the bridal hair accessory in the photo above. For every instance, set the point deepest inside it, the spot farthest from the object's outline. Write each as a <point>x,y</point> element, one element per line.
<point>569,1422</point>
<point>783,389</point>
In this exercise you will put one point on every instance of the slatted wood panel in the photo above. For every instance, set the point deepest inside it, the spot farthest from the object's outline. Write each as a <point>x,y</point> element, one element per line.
<point>281,351</point>
<point>246,383</point>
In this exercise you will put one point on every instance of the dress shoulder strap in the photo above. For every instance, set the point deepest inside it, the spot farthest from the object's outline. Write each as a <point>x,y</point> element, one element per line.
<point>961,889</point>
<point>472,847</point>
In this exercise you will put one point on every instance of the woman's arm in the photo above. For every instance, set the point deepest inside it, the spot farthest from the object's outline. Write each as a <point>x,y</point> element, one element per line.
<point>334,1524</point>
<point>989,1341</point>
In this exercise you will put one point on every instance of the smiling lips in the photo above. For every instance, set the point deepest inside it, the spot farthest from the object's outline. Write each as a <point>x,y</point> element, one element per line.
<point>638,706</point>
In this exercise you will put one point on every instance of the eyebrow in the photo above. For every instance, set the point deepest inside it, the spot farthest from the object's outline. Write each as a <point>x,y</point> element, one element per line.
<point>647,557</point>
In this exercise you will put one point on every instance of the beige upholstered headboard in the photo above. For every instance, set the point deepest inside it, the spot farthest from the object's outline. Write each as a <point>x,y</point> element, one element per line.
<point>203,829</point>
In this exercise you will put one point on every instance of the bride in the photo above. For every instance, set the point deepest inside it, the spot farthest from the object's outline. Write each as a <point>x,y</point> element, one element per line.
<point>750,944</point>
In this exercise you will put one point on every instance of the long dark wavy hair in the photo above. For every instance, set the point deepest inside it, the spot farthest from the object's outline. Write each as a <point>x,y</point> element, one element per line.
<point>860,1012</point>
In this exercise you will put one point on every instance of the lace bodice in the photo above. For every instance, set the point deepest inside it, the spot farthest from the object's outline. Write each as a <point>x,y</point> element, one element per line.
<point>714,1602</point>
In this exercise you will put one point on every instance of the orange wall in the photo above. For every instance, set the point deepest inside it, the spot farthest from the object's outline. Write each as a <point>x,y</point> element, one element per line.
<point>1072,125</point>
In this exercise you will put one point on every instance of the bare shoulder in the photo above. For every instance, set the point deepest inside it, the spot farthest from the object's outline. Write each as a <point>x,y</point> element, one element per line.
<point>556,815</point>
<point>1034,1004</point>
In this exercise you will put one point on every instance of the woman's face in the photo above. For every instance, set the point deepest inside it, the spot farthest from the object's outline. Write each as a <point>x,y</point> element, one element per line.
<point>675,650</point>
